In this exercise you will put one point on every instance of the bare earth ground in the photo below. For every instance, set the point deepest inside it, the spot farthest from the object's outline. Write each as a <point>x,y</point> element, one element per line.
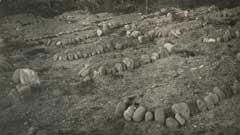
<point>64,105</point>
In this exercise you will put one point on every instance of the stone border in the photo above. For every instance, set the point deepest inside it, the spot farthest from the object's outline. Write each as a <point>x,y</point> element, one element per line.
<point>179,113</point>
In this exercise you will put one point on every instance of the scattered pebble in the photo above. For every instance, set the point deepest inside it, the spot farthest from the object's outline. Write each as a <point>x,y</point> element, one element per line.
<point>148,116</point>
<point>24,91</point>
<point>119,67</point>
<point>227,36</point>
<point>182,109</point>
<point>120,108</point>
<point>129,63</point>
<point>85,71</point>
<point>209,102</point>
<point>155,56</point>
<point>140,39</point>
<point>169,47</point>
<point>58,43</point>
<point>201,105</point>
<point>99,32</point>
<point>180,119</point>
<point>214,97</point>
<point>159,115</point>
<point>171,123</point>
<point>139,114</point>
<point>145,59</point>
<point>218,92</point>
<point>128,114</point>
<point>135,34</point>
<point>236,87</point>
<point>238,56</point>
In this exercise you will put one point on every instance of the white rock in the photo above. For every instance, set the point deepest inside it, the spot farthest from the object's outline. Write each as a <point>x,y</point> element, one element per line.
<point>168,46</point>
<point>26,77</point>
<point>129,63</point>
<point>128,33</point>
<point>127,27</point>
<point>128,114</point>
<point>140,39</point>
<point>99,32</point>
<point>85,71</point>
<point>58,43</point>
<point>182,109</point>
<point>135,34</point>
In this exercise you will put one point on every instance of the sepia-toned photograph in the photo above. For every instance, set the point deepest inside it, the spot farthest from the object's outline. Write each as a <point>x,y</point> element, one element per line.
<point>119,67</point>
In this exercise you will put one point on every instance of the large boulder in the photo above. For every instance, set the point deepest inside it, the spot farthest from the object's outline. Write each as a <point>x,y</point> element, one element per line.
<point>159,115</point>
<point>26,77</point>
<point>139,114</point>
<point>182,109</point>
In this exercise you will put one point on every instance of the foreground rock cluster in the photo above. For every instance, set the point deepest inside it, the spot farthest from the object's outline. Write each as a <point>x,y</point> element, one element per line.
<point>25,80</point>
<point>178,114</point>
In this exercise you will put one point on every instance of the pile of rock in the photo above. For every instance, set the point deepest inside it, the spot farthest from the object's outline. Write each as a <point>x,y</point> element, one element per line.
<point>178,114</point>
<point>92,51</point>
<point>227,36</point>
<point>228,12</point>
<point>25,80</point>
<point>132,111</point>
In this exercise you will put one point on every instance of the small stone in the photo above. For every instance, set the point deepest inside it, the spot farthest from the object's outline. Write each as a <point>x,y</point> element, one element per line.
<point>135,34</point>
<point>110,46</point>
<point>227,36</point>
<point>139,114</point>
<point>145,59</point>
<point>16,76</point>
<point>219,93</point>
<point>219,39</point>
<point>79,54</point>
<point>159,115</point>
<point>24,91</point>
<point>48,42</point>
<point>119,67</point>
<point>214,97</point>
<point>127,27</point>
<point>119,46</point>
<point>236,87</point>
<point>75,56</point>
<point>58,43</point>
<point>64,57</point>
<point>140,39</point>
<point>87,79</point>
<point>13,95</point>
<point>55,57</point>
<point>182,109</point>
<point>163,52</point>
<point>70,57</point>
<point>105,28</point>
<point>209,102</point>
<point>171,123</point>
<point>101,70</point>
<point>120,108</point>
<point>128,114</point>
<point>42,132</point>
<point>152,34</point>
<point>169,47</point>
<point>238,57</point>
<point>180,119</point>
<point>201,105</point>
<point>129,63</point>
<point>100,49</point>
<point>85,71</point>
<point>128,33</point>
<point>237,34</point>
<point>148,116</point>
<point>99,32</point>
<point>155,56</point>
